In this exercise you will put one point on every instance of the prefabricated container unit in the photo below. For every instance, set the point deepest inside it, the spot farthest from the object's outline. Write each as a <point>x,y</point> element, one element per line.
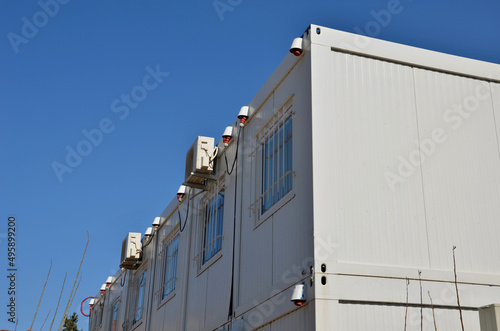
<point>367,181</point>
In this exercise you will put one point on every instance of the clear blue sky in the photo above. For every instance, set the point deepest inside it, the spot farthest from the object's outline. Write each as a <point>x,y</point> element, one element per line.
<point>73,72</point>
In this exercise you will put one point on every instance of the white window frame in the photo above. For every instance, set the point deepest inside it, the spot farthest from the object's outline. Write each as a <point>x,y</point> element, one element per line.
<point>167,267</point>
<point>97,314</point>
<point>211,225</point>
<point>112,310</point>
<point>134,299</point>
<point>278,187</point>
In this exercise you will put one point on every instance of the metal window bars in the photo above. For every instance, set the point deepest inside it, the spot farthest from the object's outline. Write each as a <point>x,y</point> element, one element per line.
<point>167,268</point>
<point>211,219</point>
<point>273,158</point>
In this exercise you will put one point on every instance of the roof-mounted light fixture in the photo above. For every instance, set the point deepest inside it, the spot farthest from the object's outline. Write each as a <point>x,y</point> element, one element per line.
<point>148,233</point>
<point>109,280</point>
<point>181,193</point>
<point>156,222</point>
<point>227,135</point>
<point>243,115</point>
<point>296,48</point>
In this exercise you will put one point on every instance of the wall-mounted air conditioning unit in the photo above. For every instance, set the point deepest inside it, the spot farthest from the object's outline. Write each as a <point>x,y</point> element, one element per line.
<point>200,161</point>
<point>131,251</point>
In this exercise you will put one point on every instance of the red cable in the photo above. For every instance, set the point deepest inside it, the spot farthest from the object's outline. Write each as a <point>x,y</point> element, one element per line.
<point>81,306</point>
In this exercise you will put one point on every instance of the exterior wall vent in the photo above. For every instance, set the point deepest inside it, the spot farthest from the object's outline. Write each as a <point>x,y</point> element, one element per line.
<point>131,251</point>
<point>200,161</point>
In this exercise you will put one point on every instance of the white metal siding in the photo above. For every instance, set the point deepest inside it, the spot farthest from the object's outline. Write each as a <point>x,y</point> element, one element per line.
<point>495,91</point>
<point>358,317</point>
<point>256,260</point>
<point>375,120</point>
<point>282,241</point>
<point>298,320</point>
<point>461,177</point>
<point>374,124</point>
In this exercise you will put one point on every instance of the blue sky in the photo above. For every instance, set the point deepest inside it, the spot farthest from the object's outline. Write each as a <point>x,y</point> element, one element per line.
<point>65,88</point>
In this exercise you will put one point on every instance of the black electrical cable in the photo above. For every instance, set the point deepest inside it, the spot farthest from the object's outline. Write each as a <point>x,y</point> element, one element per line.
<point>235,157</point>
<point>230,313</point>
<point>122,281</point>
<point>187,213</point>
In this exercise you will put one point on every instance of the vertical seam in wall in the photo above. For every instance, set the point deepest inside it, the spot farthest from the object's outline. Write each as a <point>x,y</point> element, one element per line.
<point>206,295</point>
<point>494,117</point>
<point>272,222</point>
<point>421,166</point>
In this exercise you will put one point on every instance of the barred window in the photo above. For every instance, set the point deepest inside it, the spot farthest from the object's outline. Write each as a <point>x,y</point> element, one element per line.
<point>210,224</point>
<point>141,291</point>
<point>212,230</point>
<point>96,315</point>
<point>135,298</point>
<point>272,160</point>
<point>168,267</point>
<point>277,164</point>
<point>114,316</point>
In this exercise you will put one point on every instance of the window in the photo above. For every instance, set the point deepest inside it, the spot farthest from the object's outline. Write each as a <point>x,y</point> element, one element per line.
<point>277,175</point>
<point>212,231</point>
<point>168,267</point>
<point>141,291</point>
<point>114,316</point>
<point>97,315</point>
<point>272,161</point>
<point>210,220</point>
<point>135,298</point>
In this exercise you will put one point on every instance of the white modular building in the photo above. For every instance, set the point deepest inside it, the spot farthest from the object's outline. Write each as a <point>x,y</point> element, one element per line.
<point>361,193</point>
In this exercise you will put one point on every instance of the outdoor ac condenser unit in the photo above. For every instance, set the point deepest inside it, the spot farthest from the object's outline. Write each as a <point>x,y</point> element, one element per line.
<point>199,160</point>
<point>131,251</point>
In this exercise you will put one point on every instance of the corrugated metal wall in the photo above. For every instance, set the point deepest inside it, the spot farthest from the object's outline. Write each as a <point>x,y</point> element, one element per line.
<point>358,317</point>
<point>409,169</point>
<point>300,319</point>
<point>461,178</point>
<point>374,124</point>
<point>416,167</point>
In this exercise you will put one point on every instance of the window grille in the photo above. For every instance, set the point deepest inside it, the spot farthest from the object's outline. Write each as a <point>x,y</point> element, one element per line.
<point>114,316</point>
<point>167,267</point>
<point>135,307</point>
<point>211,220</point>
<point>273,159</point>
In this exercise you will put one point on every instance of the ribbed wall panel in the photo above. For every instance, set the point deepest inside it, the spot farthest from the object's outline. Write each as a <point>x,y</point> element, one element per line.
<point>275,244</point>
<point>495,91</point>
<point>374,126</point>
<point>461,176</point>
<point>256,254</point>
<point>358,317</point>
<point>298,320</point>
